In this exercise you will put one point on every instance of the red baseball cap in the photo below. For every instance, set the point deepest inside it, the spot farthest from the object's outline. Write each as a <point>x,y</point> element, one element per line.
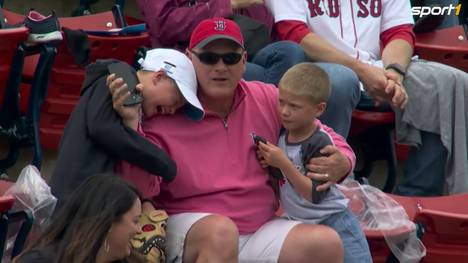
<point>215,28</point>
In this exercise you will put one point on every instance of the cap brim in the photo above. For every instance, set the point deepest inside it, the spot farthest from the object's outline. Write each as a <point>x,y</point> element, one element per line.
<point>193,109</point>
<point>217,37</point>
<point>193,112</point>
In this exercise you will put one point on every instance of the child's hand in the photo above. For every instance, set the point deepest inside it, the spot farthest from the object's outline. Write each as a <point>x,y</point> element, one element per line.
<point>262,161</point>
<point>272,155</point>
<point>119,92</point>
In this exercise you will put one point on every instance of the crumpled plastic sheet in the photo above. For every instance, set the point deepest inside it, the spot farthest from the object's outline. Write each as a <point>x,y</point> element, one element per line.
<point>32,194</point>
<point>377,211</point>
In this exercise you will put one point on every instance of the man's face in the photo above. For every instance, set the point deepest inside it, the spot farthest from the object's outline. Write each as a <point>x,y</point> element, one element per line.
<point>218,80</point>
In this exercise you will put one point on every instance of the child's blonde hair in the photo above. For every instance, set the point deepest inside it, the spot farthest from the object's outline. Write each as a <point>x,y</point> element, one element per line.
<point>307,80</point>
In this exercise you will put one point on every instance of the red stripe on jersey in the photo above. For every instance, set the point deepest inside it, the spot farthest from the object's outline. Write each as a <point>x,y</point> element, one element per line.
<point>354,24</point>
<point>404,32</point>
<point>292,30</point>
<point>341,23</point>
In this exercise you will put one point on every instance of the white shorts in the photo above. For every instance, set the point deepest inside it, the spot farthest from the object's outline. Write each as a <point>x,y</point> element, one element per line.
<point>262,246</point>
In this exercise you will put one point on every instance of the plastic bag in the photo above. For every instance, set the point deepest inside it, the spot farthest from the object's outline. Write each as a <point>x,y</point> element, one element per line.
<point>32,194</point>
<point>376,211</point>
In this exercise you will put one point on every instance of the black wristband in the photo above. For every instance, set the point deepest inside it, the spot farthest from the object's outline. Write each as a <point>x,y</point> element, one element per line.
<point>398,68</point>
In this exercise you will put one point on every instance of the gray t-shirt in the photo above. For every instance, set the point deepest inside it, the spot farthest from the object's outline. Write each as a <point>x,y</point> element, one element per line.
<point>295,206</point>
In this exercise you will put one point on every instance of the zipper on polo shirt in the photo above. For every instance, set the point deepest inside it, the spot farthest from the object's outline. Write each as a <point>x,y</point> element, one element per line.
<point>225,122</point>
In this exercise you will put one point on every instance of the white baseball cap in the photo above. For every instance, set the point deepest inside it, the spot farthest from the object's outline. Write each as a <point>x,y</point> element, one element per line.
<point>178,67</point>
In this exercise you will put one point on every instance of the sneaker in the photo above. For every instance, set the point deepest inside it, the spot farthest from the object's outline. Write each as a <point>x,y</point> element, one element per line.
<point>42,28</point>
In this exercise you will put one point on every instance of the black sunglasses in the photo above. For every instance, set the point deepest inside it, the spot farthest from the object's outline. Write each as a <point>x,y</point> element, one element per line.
<point>211,58</point>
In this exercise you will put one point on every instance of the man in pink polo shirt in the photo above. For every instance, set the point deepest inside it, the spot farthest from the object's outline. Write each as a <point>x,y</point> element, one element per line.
<point>221,205</point>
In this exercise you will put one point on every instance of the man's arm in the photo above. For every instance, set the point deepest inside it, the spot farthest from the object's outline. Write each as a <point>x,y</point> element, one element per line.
<point>318,49</point>
<point>398,47</point>
<point>172,21</point>
<point>397,51</point>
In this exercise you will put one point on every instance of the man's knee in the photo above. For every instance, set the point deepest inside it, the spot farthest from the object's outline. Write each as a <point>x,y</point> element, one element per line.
<point>327,244</point>
<point>221,230</point>
<point>212,237</point>
<point>307,241</point>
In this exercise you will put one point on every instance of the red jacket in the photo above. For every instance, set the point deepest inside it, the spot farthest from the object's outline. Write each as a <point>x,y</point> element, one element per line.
<point>171,22</point>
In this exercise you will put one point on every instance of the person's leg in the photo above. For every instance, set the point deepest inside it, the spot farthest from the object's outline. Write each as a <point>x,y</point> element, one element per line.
<point>424,173</point>
<point>436,107</point>
<point>283,240</point>
<point>345,94</point>
<point>356,249</point>
<point>305,242</point>
<point>266,242</point>
<point>271,62</point>
<point>254,72</point>
<point>201,237</point>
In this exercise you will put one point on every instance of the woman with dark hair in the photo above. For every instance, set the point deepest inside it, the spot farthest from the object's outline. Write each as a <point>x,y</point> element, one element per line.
<point>95,224</point>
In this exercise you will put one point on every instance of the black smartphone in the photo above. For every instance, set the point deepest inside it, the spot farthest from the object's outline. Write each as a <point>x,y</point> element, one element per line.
<point>257,138</point>
<point>124,71</point>
<point>273,171</point>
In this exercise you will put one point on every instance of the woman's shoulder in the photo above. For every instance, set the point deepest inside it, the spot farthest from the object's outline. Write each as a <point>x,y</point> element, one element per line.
<point>38,255</point>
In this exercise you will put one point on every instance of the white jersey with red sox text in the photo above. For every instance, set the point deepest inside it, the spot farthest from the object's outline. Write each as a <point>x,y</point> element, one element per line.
<point>353,26</point>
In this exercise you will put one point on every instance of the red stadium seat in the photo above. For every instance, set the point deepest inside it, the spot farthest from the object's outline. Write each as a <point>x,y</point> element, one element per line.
<point>11,63</point>
<point>6,203</point>
<point>4,186</point>
<point>444,221</point>
<point>448,46</point>
<point>20,125</point>
<point>374,131</point>
<point>66,77</point>
<point>10,40</point>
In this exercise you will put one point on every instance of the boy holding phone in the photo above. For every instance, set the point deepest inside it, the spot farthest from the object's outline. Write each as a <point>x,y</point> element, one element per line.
<point>95,136</point>
<point>303,92</point>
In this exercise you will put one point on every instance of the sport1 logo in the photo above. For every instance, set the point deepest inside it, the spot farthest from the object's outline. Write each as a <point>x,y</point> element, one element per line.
<point>435,10</point>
